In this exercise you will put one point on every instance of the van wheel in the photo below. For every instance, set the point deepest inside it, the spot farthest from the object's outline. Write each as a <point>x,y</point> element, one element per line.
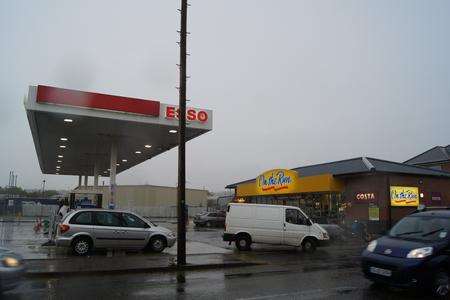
<point>309,245</point>
<point>157,244</point>
<point>243,243</point>
<point>441,284</point>
<point>81,246</point>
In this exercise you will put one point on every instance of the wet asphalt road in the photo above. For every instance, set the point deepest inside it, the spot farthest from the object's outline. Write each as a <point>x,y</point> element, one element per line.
<point>262,282</point>
<point>329,273</point>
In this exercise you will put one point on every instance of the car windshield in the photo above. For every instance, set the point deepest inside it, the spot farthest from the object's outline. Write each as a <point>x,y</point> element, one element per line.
<point>421,228</point>
<point>151,223</point>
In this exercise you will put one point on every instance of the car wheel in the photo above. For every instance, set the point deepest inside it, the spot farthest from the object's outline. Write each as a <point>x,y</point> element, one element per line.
<point>157,244</point>
<point>441,284</point>
<point>243,243</point>
<point>81,246</point>
<point>309,245</point>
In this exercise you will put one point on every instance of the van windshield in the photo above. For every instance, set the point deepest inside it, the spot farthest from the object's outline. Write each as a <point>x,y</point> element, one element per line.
<point>421,228</point>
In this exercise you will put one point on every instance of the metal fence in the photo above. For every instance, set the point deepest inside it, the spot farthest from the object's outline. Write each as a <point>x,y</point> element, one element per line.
<point>27,207</point>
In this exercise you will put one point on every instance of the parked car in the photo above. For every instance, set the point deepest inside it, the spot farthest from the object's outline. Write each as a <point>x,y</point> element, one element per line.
<point>87,229</point>
<point>209,219</point>
<point>272,224</point>
<point>415,253</point>
<point>11,269</point>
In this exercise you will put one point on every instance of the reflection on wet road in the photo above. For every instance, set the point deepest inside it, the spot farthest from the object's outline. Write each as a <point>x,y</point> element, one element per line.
<point>262,282</point>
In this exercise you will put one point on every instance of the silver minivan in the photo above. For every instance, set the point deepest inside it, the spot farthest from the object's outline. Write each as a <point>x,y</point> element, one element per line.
<point>87,229</point>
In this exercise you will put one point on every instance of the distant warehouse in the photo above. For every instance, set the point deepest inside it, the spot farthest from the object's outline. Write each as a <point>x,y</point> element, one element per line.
<point>146,200</point>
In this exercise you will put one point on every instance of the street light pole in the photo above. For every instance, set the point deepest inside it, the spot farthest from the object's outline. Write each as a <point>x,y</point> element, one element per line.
<point>181,195</point>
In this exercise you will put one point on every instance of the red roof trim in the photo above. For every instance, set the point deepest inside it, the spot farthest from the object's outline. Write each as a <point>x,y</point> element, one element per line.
<point>48,94</point>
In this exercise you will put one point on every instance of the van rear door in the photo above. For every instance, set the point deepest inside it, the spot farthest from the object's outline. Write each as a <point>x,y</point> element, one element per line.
<point>295,227</point>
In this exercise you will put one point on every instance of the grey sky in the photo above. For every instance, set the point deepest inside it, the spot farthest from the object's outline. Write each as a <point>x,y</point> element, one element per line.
<point>290,82</point>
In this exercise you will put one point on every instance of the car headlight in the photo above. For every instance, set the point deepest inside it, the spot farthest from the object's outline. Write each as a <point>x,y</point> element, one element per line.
<point>420,252</point>
<point>11,262</point>
<point>171,234</point>
<point>372,245</point>
<point>325,236</point>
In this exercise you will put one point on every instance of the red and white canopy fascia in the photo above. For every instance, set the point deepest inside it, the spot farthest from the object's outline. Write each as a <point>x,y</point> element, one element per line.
<point>74,130</point>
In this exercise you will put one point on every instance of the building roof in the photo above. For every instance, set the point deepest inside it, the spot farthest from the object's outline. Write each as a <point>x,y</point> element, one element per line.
<point>436,154</point>
<point>360,165</point>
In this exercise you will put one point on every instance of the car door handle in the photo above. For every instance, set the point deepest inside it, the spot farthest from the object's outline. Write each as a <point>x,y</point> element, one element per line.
<point>284,226</point>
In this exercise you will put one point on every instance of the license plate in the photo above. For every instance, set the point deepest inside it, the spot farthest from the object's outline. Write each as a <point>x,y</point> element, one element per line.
<point>382,272</point>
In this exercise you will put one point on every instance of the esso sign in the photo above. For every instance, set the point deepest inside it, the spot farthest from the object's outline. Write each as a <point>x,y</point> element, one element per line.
<point>192,114</point>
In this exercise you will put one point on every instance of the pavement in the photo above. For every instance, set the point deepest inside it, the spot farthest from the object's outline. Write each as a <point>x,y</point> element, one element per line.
<point>40,260</point>
<point>215,270</point>
<point>205,249</point>
<point>130,264</point>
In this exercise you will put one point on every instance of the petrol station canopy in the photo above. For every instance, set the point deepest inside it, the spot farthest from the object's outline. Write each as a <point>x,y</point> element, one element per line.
<point>84,133</point>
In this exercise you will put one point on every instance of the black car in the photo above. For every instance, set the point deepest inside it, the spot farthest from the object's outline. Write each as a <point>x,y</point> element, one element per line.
<point>415,253</point>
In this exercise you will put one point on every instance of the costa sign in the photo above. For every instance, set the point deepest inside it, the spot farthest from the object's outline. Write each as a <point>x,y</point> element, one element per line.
<point>365,196</point>
<point>192,114</point>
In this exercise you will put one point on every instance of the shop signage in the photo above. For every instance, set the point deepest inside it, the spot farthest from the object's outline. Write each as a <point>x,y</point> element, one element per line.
<point>192,114</point>
<point>404,196</point>
<point>276,181</point>
<point>365,196</point>
<point>436,196</point>
<point>374,213</point>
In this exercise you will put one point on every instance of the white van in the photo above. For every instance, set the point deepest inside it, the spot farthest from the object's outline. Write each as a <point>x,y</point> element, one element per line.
<point>272,224</point>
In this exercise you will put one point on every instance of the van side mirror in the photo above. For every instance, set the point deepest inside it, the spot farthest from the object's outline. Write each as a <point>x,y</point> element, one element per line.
<point>309,222</point>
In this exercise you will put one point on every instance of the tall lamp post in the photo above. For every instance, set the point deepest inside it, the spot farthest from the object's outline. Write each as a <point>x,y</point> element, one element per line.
<point>181,192</point>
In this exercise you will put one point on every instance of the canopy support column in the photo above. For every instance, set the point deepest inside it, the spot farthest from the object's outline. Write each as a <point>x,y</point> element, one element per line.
<point>85,181</point>
<point>112,175</point>
<point>79,180</point>
<point>96,171</point>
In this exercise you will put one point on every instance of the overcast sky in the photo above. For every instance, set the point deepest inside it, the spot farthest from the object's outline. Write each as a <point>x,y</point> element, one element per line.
<point>291,83</point>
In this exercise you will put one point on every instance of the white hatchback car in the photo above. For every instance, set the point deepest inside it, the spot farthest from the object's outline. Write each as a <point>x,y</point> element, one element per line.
<point>87,229</point>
